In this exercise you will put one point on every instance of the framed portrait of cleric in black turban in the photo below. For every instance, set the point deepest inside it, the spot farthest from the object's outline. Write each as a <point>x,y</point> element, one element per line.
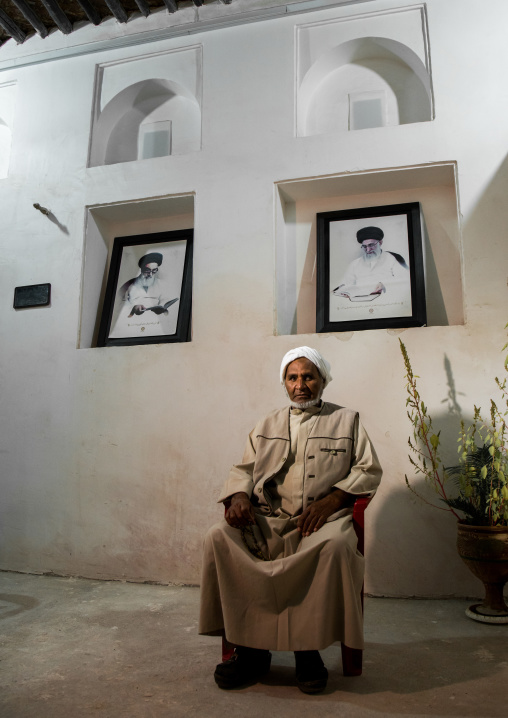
<point>370,269</point>
<point>149,290</point>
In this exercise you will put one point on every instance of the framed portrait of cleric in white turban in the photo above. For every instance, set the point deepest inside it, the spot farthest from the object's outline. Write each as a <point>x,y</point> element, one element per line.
<point>370,269</point>
<point>149,290</point>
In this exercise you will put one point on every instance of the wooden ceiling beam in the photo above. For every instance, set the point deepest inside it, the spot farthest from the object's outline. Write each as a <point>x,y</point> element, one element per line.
<point>117,9</point>
<point>58,16</point>
<point>89,10</point>
<point>144,7</point>
<point>11,28</point>
<point>171,5</point>
<point>29,14</point>
<point>19,28</point>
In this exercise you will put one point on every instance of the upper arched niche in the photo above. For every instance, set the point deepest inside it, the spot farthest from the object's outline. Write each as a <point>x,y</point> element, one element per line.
<point>363,83</point>
<point>152,118</point>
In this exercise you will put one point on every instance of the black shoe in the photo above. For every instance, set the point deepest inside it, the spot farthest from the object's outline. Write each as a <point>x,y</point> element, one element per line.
<point>311,674</point>
<point>246,665</point>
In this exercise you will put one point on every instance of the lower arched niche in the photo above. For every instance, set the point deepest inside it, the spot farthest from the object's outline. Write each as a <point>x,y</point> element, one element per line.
<point>153,118</point>
<point>361,84</point>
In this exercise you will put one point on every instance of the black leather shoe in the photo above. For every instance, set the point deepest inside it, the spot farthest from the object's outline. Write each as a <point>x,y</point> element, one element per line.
<point>311,674</point>
<point>246,665</point>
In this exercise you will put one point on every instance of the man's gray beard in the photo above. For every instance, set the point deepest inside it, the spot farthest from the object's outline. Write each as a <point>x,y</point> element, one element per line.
<point>147,282</point>
<point>305,404</point>
<point>370,257</point>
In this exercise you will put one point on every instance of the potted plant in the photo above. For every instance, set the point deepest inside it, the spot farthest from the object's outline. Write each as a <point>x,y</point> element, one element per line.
<point>475,490</point>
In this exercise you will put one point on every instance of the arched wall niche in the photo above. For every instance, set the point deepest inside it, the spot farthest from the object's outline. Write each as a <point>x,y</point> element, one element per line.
<point>364,83</point>
<point>150,118</point>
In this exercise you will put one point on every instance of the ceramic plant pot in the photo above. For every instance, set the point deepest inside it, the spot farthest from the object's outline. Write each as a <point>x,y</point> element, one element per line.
<point>484,550</point>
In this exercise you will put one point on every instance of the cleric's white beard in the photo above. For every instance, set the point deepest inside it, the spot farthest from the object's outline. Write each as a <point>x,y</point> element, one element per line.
<point>147,282</point>
<point>373,255</point>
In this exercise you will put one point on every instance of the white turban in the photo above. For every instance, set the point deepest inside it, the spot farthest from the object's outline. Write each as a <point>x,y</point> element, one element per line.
<point>310,354</point>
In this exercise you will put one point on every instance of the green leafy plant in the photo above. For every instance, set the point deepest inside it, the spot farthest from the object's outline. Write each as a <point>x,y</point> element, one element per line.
<point>477,487</point>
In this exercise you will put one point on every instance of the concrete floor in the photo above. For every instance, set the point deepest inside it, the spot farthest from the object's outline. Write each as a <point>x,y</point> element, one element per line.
<point>73,647</point>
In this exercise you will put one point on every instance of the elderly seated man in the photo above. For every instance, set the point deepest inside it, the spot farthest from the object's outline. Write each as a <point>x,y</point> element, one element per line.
<point>282,572</point>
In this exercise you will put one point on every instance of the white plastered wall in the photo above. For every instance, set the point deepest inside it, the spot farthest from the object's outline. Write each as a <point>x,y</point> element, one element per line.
<point>7,105</point>
<point>112,458</point>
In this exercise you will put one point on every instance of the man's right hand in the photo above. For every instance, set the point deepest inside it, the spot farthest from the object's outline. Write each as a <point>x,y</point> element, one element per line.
<point>137,309</point>
<point>241,512</point>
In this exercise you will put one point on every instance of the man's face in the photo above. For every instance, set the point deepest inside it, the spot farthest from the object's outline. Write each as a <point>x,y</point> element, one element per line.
<point>303,381</point>
<point>371,248</point>
<point>149,272</point>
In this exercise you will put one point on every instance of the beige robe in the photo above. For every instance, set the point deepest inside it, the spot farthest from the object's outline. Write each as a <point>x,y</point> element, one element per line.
<point>307,595</point>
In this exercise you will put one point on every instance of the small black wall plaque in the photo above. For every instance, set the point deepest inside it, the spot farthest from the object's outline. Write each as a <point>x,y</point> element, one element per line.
<point>33,295</point>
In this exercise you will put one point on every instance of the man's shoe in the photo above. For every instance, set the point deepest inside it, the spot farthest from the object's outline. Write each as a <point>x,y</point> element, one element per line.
<point>311,674</point>
<point>246,665</point>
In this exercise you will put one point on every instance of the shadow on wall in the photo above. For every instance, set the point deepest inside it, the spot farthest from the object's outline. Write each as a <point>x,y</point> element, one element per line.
<point>419,538</point>
<point>305,313</point>
<point>402,520</point>
<point>413,552</point>
<point>436,307</point>
<point>484,237</point>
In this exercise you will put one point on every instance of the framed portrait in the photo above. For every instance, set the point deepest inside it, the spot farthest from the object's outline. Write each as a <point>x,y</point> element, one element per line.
<point>370,269</point>
<point>149,290</point>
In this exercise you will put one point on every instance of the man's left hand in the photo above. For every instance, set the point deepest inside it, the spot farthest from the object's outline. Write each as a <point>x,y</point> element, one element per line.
<point>316,514</point>
<point>379,288</point>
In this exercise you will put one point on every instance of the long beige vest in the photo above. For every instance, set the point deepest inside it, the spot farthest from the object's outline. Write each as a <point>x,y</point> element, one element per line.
<point>330,459</point>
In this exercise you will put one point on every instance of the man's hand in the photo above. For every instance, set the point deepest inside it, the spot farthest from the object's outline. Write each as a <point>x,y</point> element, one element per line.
<point>137,309</point>
<point>379,288</point>
<point>316,514</point>
<point>241,512</point>
<point>158,310</point>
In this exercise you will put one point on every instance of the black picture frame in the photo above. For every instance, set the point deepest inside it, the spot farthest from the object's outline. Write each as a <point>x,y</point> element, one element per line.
<point>167,303</point>
<point>351,293</point>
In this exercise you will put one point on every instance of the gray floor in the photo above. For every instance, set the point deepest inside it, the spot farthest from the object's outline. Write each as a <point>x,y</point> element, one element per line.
<point>74,647</point>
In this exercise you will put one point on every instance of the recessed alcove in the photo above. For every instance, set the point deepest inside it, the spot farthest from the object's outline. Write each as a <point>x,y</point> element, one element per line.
<point>298,201</point>
<point>152,118</point>
<point>122,219</point>
<point>147,107</point>
<point>363,83</point>
<point>7,100</point>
